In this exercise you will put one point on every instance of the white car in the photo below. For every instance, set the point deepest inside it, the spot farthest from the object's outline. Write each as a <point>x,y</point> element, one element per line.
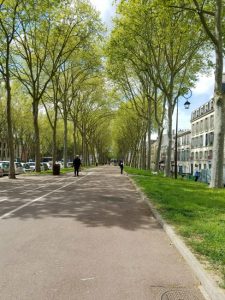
<point>26,168</point>
<point>4,165</point>
<point>44,166</point>
<point>31,164</point>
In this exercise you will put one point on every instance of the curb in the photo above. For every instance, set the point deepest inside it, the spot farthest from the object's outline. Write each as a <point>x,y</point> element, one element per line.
<point>209,285</point>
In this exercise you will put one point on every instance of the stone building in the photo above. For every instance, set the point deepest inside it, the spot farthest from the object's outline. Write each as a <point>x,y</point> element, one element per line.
<point>184,152</point>
<point>202,134</point>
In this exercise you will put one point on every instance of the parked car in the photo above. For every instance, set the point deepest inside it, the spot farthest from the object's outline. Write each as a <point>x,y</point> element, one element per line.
<point>69,164</point>
<point>4,165</point>
<point>48,161</point>
<point>1,172</point>
<point>18,168</point>
<point>45,166</point>
<point>31,164</point>
<point>26,168</point>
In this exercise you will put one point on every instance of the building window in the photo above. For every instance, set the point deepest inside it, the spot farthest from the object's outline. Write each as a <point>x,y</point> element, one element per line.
<point>206,124</point>
<point>210,154</point>
<point>203,109</point>
<point>196,155</point>
<point>201,126</point>
<point>197,128</point>
<point>193,129</point>
<point>201,141</point>
<point>188,139</point>
<point>211,121</point>
<point>194,140</point>
<point>211,138</point>
<point>186,155</point>
<point>211,104</point>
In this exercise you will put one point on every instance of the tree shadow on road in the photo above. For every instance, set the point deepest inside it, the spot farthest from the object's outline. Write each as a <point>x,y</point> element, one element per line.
<point>94,201</point>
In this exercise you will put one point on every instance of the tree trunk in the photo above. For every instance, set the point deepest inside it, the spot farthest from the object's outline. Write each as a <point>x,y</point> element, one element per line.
<point>160,136</point>
<point>144,164</point>
<point>54,146</point>
<point>9,123</point>
<point>65,139</point>
<point>219,105</point>
<point>170,140</point>
<point>37,136</point>
<point>74,139</point>
<point>149,130</point>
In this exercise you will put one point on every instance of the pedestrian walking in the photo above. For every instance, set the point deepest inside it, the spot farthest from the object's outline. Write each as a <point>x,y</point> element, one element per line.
<point>196,175</point>
<point>76,165</point>
<point>121,164</point>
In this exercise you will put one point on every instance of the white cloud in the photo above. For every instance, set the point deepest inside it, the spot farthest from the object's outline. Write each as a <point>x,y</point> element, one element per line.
<point>106,9</point>
<point>205,85</point>
<point>101,5</point>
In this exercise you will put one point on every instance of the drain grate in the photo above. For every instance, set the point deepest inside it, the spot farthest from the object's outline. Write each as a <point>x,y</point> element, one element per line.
<point>179,295</point>
<point>174,293</point>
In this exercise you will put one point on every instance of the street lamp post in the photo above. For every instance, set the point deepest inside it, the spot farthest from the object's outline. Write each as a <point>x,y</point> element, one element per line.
<point>186,106</point>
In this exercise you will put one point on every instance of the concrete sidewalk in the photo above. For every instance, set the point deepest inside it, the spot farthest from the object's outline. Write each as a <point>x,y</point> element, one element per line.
<point>94,238</point>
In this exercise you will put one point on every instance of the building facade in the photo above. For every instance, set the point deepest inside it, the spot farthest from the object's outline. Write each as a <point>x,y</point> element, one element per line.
<point>184,152</point>
<point>202,135</point>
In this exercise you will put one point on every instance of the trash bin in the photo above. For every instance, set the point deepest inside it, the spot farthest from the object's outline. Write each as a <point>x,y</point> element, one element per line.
<point>56,169</point>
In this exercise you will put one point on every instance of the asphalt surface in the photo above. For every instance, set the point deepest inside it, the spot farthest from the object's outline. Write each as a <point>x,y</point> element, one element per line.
<point>86,238</point>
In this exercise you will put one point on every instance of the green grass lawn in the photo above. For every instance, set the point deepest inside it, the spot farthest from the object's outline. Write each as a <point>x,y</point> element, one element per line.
<point>196,212</point>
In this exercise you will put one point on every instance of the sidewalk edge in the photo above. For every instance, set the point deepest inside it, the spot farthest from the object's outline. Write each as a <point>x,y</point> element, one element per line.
<point>209,285</point>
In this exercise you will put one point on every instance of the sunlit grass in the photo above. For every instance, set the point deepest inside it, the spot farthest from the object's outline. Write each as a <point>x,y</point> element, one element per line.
<point>196,211</point>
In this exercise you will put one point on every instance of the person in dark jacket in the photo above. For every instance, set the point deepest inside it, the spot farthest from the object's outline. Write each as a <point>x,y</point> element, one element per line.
<point>121,164</point>
<point>76,165</point>
<point>196,175</point>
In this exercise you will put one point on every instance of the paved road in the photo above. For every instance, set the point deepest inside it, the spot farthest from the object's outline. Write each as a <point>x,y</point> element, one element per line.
<point>85,238</point>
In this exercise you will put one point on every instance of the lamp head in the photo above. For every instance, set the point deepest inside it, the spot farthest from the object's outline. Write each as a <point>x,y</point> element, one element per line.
<point>187,104</point>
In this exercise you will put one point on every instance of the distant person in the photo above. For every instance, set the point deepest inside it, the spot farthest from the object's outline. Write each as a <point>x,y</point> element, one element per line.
<point>121,164</point>
<point>76,165</point>
<point>196,175</point>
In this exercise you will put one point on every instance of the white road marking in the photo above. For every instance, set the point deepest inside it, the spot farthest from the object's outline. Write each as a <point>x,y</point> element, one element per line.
<point>89,278</point>
<point>4,199</point>
<point>37,199</point>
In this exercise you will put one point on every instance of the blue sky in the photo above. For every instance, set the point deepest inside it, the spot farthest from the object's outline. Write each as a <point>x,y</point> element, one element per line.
<point>201,94</point>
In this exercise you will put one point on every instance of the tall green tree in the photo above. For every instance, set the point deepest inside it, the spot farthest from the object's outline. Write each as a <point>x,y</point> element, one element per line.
<point>144,37</point>
<point>49,32</point>
<point>211,15</point>
<point>8,27</point>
